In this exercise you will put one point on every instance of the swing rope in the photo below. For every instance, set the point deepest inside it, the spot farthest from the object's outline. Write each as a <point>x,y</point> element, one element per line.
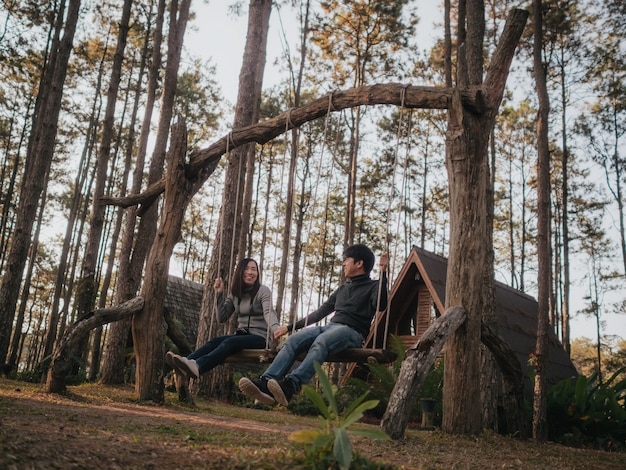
<point>387,218</point>
<point>329,109</point>
<point>226,278</point>
<point>219,241</point>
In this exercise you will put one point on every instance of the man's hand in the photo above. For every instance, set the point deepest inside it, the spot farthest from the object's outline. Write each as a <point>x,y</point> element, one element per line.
<point>280,331</point>
<point>384,262</point>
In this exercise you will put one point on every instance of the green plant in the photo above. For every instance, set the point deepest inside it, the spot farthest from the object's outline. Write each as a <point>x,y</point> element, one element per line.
<point>382,378</point>
<point>302,405</point>
<point>336,426</point>
<point>583,411</point>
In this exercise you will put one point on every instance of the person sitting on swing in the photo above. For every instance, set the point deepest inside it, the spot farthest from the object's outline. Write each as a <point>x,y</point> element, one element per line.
<point>354,303</point>
<point>252,302</point>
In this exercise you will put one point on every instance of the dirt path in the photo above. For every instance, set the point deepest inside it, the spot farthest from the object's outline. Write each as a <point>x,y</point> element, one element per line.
<point>51,432</point>
<point>98,427</point>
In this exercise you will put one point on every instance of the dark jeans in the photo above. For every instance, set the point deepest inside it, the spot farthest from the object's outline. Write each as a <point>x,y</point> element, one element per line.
<point>219,348</point>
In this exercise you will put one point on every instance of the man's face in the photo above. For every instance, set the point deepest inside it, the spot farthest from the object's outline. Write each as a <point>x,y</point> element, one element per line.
<point>352,268</point>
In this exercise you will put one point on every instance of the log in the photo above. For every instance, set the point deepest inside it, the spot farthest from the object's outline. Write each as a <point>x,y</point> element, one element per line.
<point>62,357</point>
<point>415,367</point>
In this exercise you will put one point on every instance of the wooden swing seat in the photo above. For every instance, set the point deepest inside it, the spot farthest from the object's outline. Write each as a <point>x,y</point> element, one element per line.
<point>359,355</point>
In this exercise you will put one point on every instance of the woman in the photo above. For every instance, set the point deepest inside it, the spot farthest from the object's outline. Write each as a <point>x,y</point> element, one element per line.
<point>252,302</point>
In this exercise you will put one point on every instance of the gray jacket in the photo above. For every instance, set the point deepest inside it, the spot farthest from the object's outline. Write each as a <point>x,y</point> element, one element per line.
<point>255,317</point>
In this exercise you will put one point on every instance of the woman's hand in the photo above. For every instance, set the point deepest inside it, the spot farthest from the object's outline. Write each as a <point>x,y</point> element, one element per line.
<point>218,285</point>
<point>280,331</point>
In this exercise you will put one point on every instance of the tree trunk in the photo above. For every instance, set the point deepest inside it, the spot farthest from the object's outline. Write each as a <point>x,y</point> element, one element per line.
<point>540,425</point>
<point>565,318</point>
<point>78,197</point>
<point>13,357</point>
<point>87,290</point>
<point>467,180</point>
<point>149,328</point>
<point>39,159</point>
<point>469,281</point>
<point>129,271</point>
<point>512,382</point>
<point>218,382</point>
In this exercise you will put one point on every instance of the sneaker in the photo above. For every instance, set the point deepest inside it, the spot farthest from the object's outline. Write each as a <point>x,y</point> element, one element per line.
<point>185,366</point>
<point>256,389</point>
<point>169,359</point>
<point>282,390</point>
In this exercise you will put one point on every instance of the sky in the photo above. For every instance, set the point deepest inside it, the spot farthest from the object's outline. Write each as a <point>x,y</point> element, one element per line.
<point>219,36</point>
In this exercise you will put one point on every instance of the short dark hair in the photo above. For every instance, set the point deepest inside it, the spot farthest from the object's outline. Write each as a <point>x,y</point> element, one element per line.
<point>360,252</point>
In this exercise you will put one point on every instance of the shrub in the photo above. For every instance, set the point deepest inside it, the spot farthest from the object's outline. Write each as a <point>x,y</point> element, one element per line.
<point>584,412</point>
<point>331,443</point>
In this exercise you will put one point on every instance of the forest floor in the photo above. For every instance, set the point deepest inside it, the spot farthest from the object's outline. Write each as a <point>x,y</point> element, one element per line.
<point>96,426</point>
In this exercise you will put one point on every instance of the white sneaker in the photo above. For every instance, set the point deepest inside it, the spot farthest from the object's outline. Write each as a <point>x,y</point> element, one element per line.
<point>188,367</point>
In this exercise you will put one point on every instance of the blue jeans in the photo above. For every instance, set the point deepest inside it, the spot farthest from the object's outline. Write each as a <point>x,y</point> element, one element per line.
<point>318,342</point>
<point>216,351</point>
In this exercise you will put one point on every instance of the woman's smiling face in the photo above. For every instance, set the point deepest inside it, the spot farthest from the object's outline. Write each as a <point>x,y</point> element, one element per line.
<point>250,273</point>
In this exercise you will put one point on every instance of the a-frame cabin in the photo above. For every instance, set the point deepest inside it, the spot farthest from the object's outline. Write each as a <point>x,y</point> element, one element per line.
<point>417,298</point>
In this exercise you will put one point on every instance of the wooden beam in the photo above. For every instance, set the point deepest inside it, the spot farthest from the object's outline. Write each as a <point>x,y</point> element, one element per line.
<point>360,355</point>
<point>202,162</point>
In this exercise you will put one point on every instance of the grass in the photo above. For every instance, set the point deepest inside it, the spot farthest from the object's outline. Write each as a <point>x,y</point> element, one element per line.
<point>98,426</point>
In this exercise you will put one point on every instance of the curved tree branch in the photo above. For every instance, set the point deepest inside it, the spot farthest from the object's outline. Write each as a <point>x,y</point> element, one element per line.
<point>62,358</point>
<point>204,161</point>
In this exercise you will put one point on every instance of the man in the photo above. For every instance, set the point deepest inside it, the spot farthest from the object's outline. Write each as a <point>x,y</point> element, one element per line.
<point>354,303</point>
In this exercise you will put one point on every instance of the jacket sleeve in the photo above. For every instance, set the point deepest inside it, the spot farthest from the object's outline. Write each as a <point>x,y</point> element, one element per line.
<point>265,295</point>
<point>225,307</point>
<point>325,309</point>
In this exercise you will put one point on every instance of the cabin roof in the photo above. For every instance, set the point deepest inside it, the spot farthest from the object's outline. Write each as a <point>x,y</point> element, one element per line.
<point>516,311</point>
<point>183,301</point>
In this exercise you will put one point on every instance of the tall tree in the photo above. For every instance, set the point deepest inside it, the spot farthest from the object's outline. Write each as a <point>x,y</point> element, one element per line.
<point>598,250</point>
<point>39,158</point>
<point>148,327</point>
<point>230,228</point>
<point>361,41</point>
<point>131,262</point>
<point>540,427</point>
<point>469,280</point>
<point>561,44</point>
<point>604,123</point>
<point>81,189</point>
<point>296,86</point>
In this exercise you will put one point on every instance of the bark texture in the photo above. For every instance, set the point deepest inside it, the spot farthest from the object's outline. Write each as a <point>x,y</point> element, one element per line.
<point>415,367</point>
<point>62,359</point>
<point>469,281</point>
<point>40,155</point>
<point>540,405</point>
